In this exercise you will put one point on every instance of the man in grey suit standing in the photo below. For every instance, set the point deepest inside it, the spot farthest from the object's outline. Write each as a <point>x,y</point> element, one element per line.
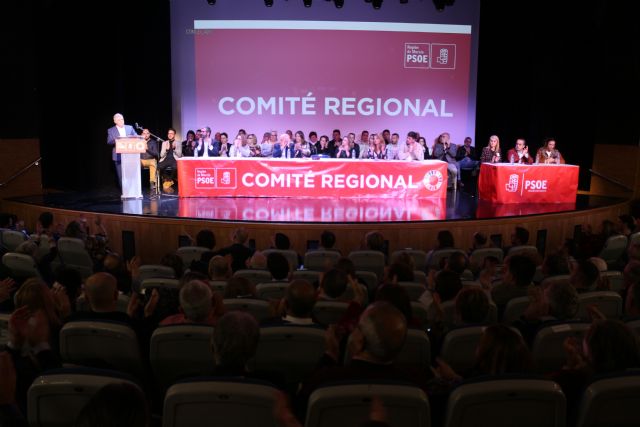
<point>120,129</point>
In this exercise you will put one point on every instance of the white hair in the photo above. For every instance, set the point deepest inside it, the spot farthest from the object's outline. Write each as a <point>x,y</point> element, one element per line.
<point>118,116</point>
<point>195,300</point>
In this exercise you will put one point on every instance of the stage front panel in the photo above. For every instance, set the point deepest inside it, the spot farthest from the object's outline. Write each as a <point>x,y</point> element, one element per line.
<point>518,183</point>
<point>324,178</point>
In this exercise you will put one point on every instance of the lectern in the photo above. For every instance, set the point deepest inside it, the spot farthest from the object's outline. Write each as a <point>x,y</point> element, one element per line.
<point>129,148</point>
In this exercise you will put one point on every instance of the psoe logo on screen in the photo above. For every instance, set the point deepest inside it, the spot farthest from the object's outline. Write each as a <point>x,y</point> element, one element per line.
<point>226,177</point>
<point>205,178</point>
<point>416,55</point>
<point>443,56</point>
<point>433,180</point>
<point>512,185</point>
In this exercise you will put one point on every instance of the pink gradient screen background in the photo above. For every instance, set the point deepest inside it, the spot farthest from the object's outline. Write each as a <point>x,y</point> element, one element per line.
<point>329,63</point>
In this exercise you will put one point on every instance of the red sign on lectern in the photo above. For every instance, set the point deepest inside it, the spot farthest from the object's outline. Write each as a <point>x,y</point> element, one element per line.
<point>130,145</point>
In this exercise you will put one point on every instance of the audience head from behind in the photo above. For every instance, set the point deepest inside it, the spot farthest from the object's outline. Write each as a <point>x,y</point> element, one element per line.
<point>501,350</point>
<point>196,301</point>
<point>36,295</point>
<point>374,241</point>
<point>406,258</point>
<point>257,261</point>
<point>192,275</point>
<point>278,266</point>
<point>117,404</point>
<point>219,268</point>
<point>45,220</point>
<point>345,264</point>
<point>240,236</point>
<point>472,306</point>
<point>445,240</point>
<point>520,236</point>
<point>235,339</point>
<point>300,298</point>
<point>76,230</point>
<point>626,224</point>
<point>380,334</point>
<point>327,240</point>
<point>457,262</point>
<point>396,296</point>
<point>206,239</point>
<point>334,284</point>
<point>448,284</point>
<point>281,241</point>
<point>71,280</point>
<point>518,270</point>
<point>399,271</point>
<point>562,299</point>
<point>610,346</point>
<point>479,240</point>
<point>239,287</point>
<point>175,262</point>
<point>101,291</point>
<point>584,275</point>
<point>555,264</point>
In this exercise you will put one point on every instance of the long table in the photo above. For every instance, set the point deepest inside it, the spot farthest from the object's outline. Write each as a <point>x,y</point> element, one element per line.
<point>322,178</point>
<point>520,183</point>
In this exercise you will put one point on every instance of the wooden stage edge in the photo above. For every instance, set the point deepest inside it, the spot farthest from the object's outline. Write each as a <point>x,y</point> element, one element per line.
<point>157,236</point>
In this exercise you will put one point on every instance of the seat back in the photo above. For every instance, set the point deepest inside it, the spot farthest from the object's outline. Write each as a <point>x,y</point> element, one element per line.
<point>71,244</point>
<point>608,302</point>
<point>419,258</point>
<point>320,260</point>
<point>507,402</point>
<point>155,271</point>
<point>420,276</point>
<point>11,239</point>
<point>4,328</point>
<point>634,238</point>
<point>225,403</point>
<point>271,290</point>
<point>255,307</point>
<point>159,282</point>
<point>547,350</point>
<point>420,312</point>
<point>72,253</point>
<point>122,305</point>
<point>459,347</point>
<point>55,399</point>
<point>254,276</point>
<point>218,286</point>
<point>476,259</point>
<point>526,250</point>
<point>329,312</point>
<point>560,278</point>
<point>291,350</point>
<point>350,405</point>
<point>416,352</point>
<point>414,289</point>
<point>611,401</point>
<point>188,254</point>
<point>109,345</point>
<point>370,279</point>
<point>615,279</point>
<point>514,309</point>
<point>181,351</point>
<point>437,255</point>
<point>369,261</point>
<point>21,265</point>
<point>310,276</point>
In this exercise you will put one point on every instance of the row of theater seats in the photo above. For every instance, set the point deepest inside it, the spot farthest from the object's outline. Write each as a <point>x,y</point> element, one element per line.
<point>498,401</point>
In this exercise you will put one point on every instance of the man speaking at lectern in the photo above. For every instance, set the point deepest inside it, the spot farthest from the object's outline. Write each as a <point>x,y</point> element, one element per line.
<point>120,129</point>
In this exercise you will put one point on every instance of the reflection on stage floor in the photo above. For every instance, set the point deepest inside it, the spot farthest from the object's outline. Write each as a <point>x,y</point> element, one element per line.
<point>457,206</point>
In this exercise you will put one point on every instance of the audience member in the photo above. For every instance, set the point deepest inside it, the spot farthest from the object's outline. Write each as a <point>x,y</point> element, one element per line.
<point>518,272</point>
<point>238,250</point>
<point>239,287</point>
<point>198,304</point>
<point>117,404</point>
<point>219,268</point>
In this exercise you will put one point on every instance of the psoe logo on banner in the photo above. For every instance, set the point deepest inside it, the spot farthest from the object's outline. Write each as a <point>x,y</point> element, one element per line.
<point>512,185</point>
<point>226,177</point>
<point>443,56</point>
<point>205,178</point>
<point>416,55</point>
<point>433,180</point>
<point>536,185</point>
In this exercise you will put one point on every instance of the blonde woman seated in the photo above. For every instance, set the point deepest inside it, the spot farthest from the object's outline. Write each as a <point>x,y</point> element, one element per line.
<point>491,153</point>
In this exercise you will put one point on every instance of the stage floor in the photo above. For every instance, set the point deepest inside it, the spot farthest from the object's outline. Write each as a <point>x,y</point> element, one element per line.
<point>460,205</point>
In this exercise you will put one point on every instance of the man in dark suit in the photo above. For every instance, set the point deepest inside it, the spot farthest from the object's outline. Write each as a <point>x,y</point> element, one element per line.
<point>120,129</point>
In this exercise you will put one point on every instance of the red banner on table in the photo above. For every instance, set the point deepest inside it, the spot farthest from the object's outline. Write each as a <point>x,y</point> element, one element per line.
<point>519,183</point>
<point>313,210</point>
<point>220,177</point>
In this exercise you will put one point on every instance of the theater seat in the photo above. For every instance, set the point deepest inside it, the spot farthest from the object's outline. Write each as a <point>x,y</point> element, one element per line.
<point>372,261</point>
<point>290,255</point>
<point>320,260</point>
<point>21,265</point>
<point>220,402</point>
<point>350,405</point>
<point>257,308</point>
<point>608,302</point>
<point>254,276</point>
<point>547,349</point>
<point>522,402</point>
<point>154,271</point>
<point>190,253</point>
<point>56,398</point>
<point>329,312</point>
<point>611,401</point>
<point>419,258</point>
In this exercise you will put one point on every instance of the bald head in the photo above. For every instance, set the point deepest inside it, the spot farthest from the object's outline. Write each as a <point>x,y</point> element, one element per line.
<point>101,290</point>
<point>300,298</point>
<point>383,329</point>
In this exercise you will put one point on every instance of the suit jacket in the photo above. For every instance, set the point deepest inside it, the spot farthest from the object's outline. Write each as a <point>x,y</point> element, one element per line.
<point>112,134</point>
<point>449,156</point>
<point>462,153</point>
<point>214,151</point>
